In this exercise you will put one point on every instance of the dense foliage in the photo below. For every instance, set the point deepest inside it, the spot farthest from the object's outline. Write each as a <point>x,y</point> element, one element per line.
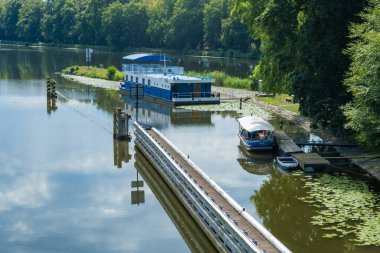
<point>303,43</point>
<point>363,79</point>
<point>180,24</point>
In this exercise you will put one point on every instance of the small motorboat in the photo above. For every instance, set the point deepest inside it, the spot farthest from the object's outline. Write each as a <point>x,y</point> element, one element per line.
<point>287,163</point>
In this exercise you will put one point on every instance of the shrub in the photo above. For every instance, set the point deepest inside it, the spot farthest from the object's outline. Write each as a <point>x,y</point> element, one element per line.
<point>111,71</point>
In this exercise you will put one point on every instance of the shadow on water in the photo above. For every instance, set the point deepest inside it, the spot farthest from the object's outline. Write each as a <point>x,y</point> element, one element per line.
<point>189,230</point>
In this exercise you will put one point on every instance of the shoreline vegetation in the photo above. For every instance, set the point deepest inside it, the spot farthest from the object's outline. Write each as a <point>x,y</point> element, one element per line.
<point>221,80</point>
<point>221,53</point>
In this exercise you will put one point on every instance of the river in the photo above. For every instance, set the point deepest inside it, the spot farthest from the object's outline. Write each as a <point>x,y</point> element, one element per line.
<point>67,186</point>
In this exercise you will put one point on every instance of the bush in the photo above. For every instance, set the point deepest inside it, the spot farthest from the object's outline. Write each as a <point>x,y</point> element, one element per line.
<point>111,71</point>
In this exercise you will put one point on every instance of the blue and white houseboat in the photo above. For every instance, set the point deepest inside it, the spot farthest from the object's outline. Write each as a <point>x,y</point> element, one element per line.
<point>256,133</point>
<point>162,83</point>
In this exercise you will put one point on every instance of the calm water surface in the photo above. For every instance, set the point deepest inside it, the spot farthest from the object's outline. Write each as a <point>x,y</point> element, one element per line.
<point>67,186</point>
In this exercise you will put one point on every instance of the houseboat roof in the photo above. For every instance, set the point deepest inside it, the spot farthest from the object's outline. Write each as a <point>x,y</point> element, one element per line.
<point>252,124</point>
<point>143,57</point>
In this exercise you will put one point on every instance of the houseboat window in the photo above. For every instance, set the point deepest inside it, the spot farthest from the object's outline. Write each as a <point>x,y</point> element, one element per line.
<point>148,81</point>
<point>131,78</point>
<point>137,79</point>
<point>126,77</point>
<point>143,81</point>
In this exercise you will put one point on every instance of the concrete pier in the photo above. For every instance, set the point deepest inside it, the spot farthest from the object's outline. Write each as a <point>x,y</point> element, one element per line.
<point>225,222</point>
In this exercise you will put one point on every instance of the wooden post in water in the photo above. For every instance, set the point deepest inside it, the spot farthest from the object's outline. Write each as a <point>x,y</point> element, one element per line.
<point>50,88</point>
<point>120,124</point>
<point>241,102</point>
<point>53,91</point>
<point>48,91</point>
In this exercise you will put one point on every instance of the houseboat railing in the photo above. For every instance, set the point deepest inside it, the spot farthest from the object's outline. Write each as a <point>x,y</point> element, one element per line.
<point>194,95</point>
<point>152,69</point>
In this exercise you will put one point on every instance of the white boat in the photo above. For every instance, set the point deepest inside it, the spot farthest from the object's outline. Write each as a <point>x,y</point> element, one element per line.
<point>287,163</point>
<point>256,133</point>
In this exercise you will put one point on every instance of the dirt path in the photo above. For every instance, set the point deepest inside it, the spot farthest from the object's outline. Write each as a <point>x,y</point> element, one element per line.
<point>249,97</point>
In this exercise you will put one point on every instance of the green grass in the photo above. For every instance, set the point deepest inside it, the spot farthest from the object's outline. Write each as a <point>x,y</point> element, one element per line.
<point>94,72</point>
<point>224,80</point>
<point>280,100</point>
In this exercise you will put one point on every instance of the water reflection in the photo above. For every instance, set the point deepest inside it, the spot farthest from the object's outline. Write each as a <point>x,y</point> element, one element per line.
<point>290,219</point>
<point>137,195</point>
<point>51,104</point>
<point>194,237</point>
<point>255,162</point>
<point>120,152</point>
<point>162,116</point>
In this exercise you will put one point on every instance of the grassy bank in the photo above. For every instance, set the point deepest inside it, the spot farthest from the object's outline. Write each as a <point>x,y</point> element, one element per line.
<point>224,80</point>
<point>111,73</point>
<point>282,100</point>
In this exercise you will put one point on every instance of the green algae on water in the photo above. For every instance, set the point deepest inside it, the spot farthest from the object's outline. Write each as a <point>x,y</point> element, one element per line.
<point>344,208</point>
<point>228,106</point>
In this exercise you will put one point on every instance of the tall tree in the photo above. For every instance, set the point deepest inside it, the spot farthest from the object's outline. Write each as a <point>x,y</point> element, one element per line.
<point>363,79</point>
<point>302,43</point>
<point>9,18</point>
<point>29,21</point>
<point>125,25</point>
<point>159,13</point>
<point>185,25</point>
<point>317,79</point>
<point>213,13</point>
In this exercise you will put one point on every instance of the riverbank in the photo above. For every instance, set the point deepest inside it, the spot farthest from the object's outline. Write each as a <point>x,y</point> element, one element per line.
<point>372,166</point>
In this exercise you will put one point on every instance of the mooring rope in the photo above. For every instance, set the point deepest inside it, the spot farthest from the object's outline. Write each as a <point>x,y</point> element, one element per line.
<point>86,113</point>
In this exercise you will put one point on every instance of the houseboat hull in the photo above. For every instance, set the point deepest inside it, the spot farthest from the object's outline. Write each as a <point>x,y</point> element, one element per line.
<point>256,145</point>
<point>172,102</point>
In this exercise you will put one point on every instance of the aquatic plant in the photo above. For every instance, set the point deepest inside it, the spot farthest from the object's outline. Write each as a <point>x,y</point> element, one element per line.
<point>247,109</point>
<point>344,208</point>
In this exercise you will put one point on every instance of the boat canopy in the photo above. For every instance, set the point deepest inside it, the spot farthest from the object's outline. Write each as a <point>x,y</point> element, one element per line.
<point>147,57</point>
<point>252,124</point>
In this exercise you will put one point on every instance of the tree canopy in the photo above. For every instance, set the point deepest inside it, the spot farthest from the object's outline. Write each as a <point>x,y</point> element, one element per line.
<point>363,79</point>
<point>303,44</point>
<point>120,24</point>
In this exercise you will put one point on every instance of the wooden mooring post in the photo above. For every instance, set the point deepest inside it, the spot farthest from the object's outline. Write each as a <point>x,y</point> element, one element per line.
<point>50,88</point>
<point>121,125</point>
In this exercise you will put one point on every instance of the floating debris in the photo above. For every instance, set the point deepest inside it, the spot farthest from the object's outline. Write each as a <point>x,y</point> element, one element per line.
<point>345,207</point>
<point>229,106</point>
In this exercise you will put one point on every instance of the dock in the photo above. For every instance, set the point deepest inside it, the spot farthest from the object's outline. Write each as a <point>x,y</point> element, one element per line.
<point>228,226</point>
<point>285,145</point>
<point>309,162</point>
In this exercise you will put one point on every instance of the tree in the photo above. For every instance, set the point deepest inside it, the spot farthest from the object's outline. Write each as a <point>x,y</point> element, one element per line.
<point>29,20</point>
<point>185,25</point>
<point>317,79</point>
<point>363,79</point>
<point>159,13</point>
<point>213,13</point>
<point>125,25</point>
<point>9,18</point>
<point>302,43</point>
